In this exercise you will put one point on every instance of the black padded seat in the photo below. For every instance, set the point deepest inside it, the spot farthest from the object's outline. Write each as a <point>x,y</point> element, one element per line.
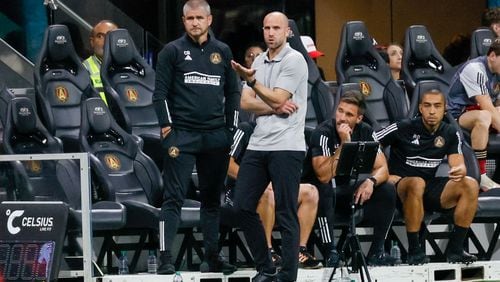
<point>128,176</point>
<point>489,203</point>
<point>124,172</point>
<point>359,62</point>
<point>129,84</point>
<point>319,97</point>
<point>422,60</point>
<point>61,82</point>
<point>50,180</point>
<point>480,42</point>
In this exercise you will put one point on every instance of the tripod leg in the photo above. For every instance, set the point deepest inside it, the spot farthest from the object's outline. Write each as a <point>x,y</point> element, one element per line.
<point>343,257</point>
<point>361,263</point>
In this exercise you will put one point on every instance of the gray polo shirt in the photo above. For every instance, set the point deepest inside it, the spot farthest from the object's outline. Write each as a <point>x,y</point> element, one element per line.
<point>288,71</point>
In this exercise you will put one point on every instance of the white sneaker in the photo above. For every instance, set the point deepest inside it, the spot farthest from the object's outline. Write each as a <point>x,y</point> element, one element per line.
<point>487,183</point>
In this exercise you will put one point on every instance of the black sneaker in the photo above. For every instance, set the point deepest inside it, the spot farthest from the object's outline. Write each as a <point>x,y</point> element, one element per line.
<point>218,265</point>
<point>308,261</point>
<point>417,257</point>
<point>275,258</point>
<point>463,257</point>
<point>333,259</point>
<point>166,266</point>
<point>382,259</point>
<point>264,277</point>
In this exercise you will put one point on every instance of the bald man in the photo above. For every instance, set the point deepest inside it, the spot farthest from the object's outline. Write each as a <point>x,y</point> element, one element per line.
<point>276,92</point>
<point>93,63</point>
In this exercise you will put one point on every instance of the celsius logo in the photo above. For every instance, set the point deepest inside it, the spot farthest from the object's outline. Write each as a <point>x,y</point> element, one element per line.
<point>43,223</point>
<point>12,229</point>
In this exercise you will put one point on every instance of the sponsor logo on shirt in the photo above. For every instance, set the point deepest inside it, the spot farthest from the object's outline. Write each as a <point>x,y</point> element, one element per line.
<point>422,162</point>
<point>201,78</point>
<point>187,55</point>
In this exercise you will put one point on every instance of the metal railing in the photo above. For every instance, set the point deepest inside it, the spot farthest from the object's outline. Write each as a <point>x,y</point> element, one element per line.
<point>85,198</point>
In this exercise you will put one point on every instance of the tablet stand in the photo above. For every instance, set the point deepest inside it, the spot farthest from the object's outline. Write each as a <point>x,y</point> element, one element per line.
<point>355,158</point>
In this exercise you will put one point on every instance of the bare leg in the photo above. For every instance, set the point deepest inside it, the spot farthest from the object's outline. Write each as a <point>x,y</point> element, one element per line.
<point>410,191</point>
<point>308,206</point>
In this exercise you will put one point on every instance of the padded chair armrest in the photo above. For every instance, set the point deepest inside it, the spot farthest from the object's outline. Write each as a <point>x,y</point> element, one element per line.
<point>141,215</point>
<point>137,139</point>
<point>106,215</point>
<point>190,214</point>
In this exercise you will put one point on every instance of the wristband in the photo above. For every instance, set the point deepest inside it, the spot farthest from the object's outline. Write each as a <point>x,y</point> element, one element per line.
<point>251,84</point>
<point>373,179</point>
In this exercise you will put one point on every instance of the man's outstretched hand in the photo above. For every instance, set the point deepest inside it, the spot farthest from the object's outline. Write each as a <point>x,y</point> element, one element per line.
<point>245,73</point>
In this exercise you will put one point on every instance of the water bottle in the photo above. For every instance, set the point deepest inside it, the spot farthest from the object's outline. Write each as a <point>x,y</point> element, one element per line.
<point>177,277</point>
<point>396,253</point>
<point>123,264</point>
<point>152,264</point>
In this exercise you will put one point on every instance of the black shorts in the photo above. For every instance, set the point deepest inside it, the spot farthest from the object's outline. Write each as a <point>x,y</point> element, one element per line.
<point>432,195</point>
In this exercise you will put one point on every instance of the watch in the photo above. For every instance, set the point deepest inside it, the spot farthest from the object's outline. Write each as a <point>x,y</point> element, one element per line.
<point>251,84</point>
<point>373,179</point>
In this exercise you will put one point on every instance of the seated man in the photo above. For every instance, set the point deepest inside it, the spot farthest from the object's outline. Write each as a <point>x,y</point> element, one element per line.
<point>418,146</point>
<point>308,202</point>
<point>472,100</point>
<point>374,194</point>
<point>93,63</point>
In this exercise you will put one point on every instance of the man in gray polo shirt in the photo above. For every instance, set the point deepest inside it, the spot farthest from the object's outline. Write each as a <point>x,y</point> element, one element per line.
<point>276,91</point>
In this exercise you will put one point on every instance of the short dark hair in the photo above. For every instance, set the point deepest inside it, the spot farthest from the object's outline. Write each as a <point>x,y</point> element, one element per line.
<point>490,16</point>
<point>354,97</point>
<point>432,91</point>
<point>494,47</point>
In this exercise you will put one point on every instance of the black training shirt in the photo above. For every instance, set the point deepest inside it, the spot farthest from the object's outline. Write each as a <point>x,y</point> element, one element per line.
<point>195,87</point>
<point>414,150</point>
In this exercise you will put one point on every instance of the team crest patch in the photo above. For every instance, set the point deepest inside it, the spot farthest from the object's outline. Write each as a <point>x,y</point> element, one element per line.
<point>496,89</point>
<point>132,95</point>
<point>62,94</point>
<point>215,58</point>
<point>365,88</point>
<point>173,152</point>
<point>439,142</point>
<point>112,161</point>
<point>34,166</point>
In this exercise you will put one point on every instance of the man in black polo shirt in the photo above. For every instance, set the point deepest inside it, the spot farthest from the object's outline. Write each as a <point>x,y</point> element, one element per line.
<point>418,147</point>
<point>196,99</point>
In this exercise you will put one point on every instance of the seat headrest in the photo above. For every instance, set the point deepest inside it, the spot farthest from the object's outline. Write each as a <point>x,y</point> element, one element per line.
<point>23,115</point>
<point>121,46</point>
<point>60,46</point>
<point>98,115</point>
<point>481,41</point>
<point>427,85</point>
<point>420,42</point>
<point>358,41</point>
<point>296,43</point>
